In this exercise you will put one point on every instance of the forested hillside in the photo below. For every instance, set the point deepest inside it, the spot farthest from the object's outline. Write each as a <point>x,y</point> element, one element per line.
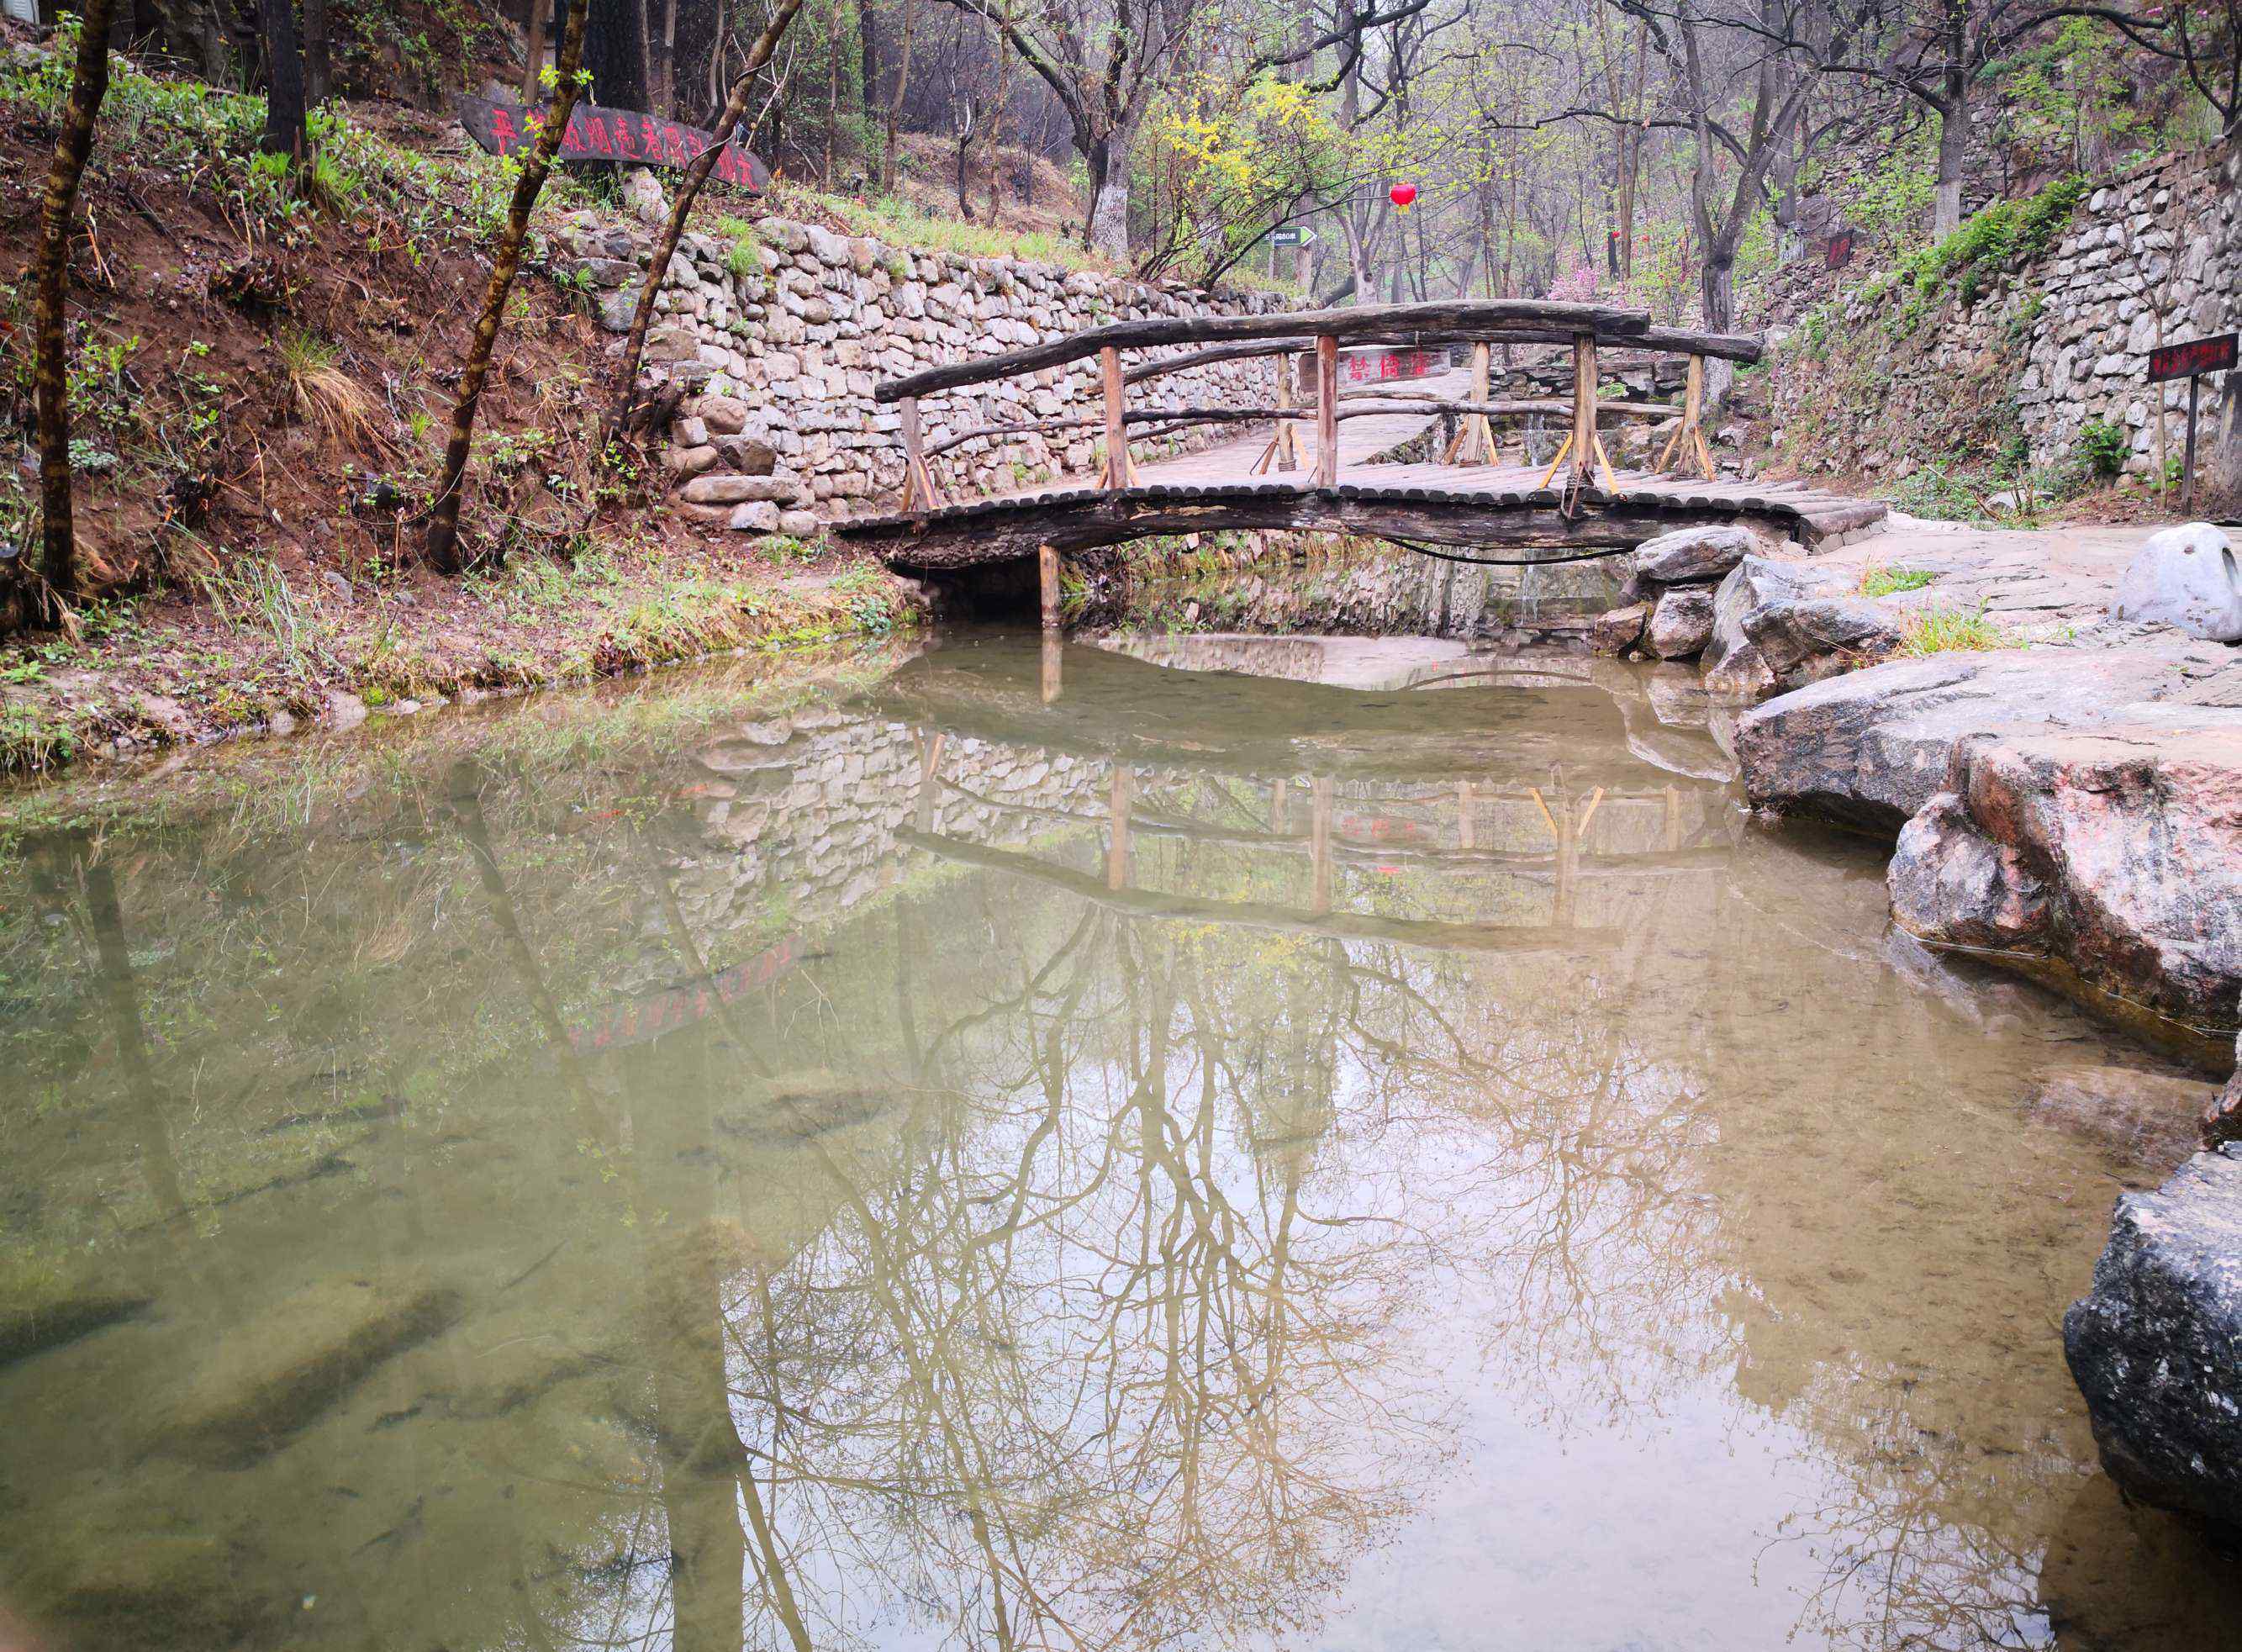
<point>276,324</point>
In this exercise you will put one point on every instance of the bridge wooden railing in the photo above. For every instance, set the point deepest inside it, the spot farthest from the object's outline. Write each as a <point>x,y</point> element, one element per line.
<point>1483,324</point>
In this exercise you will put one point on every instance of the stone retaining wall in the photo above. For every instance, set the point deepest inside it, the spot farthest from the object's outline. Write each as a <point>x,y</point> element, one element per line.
<point>2153,255</point>
<point>782,334</point>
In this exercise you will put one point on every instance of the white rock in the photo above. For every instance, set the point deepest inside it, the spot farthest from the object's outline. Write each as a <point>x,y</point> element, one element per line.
<point>757,517</point>
<point>2185,577</point>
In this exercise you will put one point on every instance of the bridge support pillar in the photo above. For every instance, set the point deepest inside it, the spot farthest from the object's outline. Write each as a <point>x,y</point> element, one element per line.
<point>1047,584</point>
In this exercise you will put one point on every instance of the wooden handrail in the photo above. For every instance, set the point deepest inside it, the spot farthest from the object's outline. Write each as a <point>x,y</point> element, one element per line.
<point>1438,321</point>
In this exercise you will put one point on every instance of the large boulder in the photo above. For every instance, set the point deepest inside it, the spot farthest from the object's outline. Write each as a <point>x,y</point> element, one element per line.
<point>2156,1347</point>
<point>2186,577</point>
<point>1732,662</point>
<point>1693,555</point>
<point>1682,624</point>
<point>2117,850</point>
<point>1871,748</point>
<point>1807,638</point>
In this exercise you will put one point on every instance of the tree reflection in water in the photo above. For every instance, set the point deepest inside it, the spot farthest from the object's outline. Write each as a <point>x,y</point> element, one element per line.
<point>1189,1183</point>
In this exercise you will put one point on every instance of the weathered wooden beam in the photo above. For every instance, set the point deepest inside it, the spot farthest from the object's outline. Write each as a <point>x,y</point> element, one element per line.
<point>1584,409</point>
<point>1446,318</point>
<point>1117,417</point>
<point>1326,413</point>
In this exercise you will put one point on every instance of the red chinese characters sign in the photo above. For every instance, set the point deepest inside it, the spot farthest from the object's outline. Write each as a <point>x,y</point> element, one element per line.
<point>1367,366</point>
<point>2214,354</point>
<point>597,134</point>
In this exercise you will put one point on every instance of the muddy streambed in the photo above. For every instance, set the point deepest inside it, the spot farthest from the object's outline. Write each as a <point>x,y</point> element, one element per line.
<point>1204,1142</point>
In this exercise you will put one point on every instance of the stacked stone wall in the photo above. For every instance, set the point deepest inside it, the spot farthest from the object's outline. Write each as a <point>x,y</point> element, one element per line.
<point>2039,349</point>
<point>779,337</point>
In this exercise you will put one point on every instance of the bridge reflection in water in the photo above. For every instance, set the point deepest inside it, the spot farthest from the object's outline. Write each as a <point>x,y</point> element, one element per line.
<point>1375,1155</point>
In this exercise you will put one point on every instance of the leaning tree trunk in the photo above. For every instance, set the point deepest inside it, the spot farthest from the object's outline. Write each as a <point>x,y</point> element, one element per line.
<point>1953,107</point>
<point>283,91</point>
<point>1107,232</point>
<point>443,541</point>
<point>688,190</point>
<point>51,274</point>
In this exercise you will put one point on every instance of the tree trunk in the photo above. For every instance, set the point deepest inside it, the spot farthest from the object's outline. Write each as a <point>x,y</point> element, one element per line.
<point>283,91</point>
<point>896,103</point>
<point>1953,107</point>
<point>443,541</point>
<point>665,67</point>
<point>318,55</point>
<point>533,58</point>
<point>1107,231</point>
<point>51,271</point>
<point>688,190</point>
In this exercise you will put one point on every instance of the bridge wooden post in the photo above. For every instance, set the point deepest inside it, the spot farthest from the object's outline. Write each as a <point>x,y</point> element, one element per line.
<point>1326,412</point>
<point>1116,425</point>
<point>1053,667</point>
<point>1584,409</point>
<point>918,481</point>
<point>1474,442</point>
<point>1047,584</point>
<point>1117,843</point>
<point>1319,841</point>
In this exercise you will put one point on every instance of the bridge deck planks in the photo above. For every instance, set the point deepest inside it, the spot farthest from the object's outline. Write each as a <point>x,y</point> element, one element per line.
<point>1224,472</point>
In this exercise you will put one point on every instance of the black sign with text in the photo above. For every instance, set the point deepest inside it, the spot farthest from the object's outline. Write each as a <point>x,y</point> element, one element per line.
<point>2187,361</point>
<point>597,134</point>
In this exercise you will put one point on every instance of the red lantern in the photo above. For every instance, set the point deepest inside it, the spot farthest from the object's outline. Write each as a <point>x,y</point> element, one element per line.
<point>1402,195</point>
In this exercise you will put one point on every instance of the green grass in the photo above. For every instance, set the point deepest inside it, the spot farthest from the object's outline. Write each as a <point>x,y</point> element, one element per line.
<point>1950,630</point>
<point>1887,581</point>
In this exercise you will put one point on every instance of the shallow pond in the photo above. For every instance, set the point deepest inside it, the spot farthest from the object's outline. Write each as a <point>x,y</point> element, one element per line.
<point>1211,1143</point>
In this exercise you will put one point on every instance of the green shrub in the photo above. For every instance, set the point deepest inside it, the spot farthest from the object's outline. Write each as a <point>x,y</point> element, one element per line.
<point>2104,446</point>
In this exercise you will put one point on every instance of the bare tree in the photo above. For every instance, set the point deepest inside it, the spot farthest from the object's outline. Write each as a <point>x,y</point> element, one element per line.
<point>1105,61</point>
<point>51,274</point>
<point>442,544</point>
<point>688,190</point>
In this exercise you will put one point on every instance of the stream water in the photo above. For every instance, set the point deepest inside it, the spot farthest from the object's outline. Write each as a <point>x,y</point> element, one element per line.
<point>1203,1143</point>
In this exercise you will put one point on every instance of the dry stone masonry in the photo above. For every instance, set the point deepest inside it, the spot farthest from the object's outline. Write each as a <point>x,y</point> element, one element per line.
<point>779,336</point>
<point>2060,339</point>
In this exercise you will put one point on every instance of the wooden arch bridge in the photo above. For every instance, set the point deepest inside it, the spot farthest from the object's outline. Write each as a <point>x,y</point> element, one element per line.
<point>1319,457</point>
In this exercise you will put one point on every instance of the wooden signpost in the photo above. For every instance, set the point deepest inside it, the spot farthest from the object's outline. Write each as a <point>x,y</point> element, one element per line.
<point>2191,360</point>
<point>597,134</point>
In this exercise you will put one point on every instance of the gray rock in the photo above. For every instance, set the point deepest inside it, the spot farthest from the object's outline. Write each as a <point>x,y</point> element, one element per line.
<point>1693,554</point>
<point>723,415</point>
<point>1616,630</point>
<point>643,198</point>
<point>757,517</point>
<point>2186,577</point>
<point>725,487</point>
<point>1805,638</point>
<point>1949,881</point>
<point>1682,624</point>
<point>689,461</point>
<point>750,455</point>
<point>618,309</point>
<point>2156,1347</point>
<point>1753,583</point>
<point>337,584</point>
<point>800,524</point>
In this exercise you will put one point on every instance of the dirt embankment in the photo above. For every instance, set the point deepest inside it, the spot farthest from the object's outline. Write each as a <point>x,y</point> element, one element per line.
<point>263,375</point>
